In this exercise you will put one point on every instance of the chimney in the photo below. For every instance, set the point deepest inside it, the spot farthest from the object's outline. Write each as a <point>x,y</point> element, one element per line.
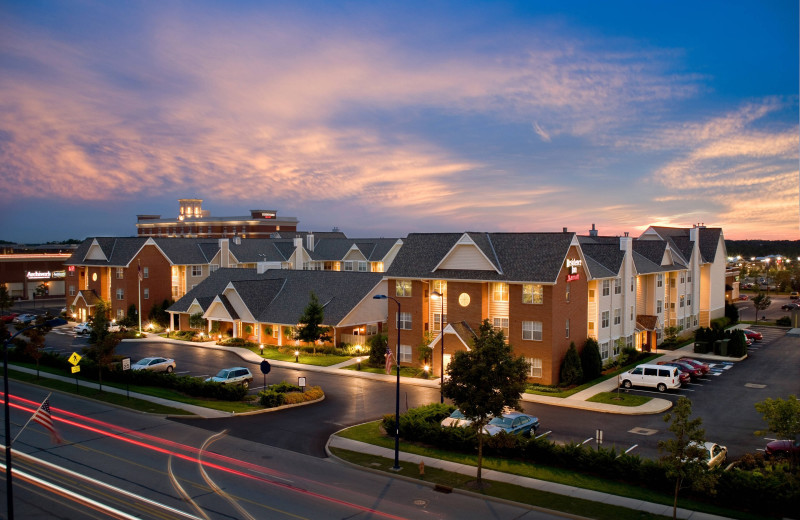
<point>593,231</point>
<point>224,253</point>
<point>565,230</point>
<point>237,240</point>
<point>310,241</point>
<point>625,242</point>
<point>298,242</point>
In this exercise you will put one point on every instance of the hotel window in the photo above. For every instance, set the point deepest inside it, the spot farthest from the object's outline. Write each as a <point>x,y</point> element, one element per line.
<point>362,267</point>
<point>145,272</point>
<point>197,270</point>
<point>499,292</point>
<point>120,314</point>
<point>695,320</point>
<point>348,265</point>
<point>604,320</point>
<point>633,283</point>
<point>629,341</point>
<point>372,329</point>
<point>404,321</point>
<point>72,290</point>
<point>146,293</point>
<point>604,350</point>
<point>502,325</point>
<point>689,277</point>
<point>617,285</point>
<point>659,280</point>
<point>688,300</point>
<point>567,293</point>
<point>532,293</point>
<point>532,330</point>
<point>617,343</point>
<point>402,288</point>
<point>275,330</point>
<point>534,367</point>
<point>683,278</point>
<point>566,326</point>
<point>120,272</point>
<point>405,353</point>
<point>71,273</point>
<point>591,326</point>
<point>617,316</point>
<point>437,320</point>
<point>120,293</point>
<point>591,295</point>
<point>213,267</point>
<point>683,300</point>
<point>606,287</point>
<point>659,305</point>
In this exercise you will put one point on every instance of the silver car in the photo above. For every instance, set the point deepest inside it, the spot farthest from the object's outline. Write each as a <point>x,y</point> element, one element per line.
<point>156,364</point>
<point>233,376</point>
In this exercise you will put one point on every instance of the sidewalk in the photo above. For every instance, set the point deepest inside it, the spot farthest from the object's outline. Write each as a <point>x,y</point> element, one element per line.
<point>532,483</point>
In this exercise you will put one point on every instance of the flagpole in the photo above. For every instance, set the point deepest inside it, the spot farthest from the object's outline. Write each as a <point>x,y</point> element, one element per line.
<point>31,418</point>
<point>139,293</point>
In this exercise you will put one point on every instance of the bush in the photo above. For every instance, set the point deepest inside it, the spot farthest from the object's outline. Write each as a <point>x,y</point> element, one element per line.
<point>271,398</point>
<point>591,363</point>
<point>784,321</point>
<point>571,371</point>
<point>377,349</point>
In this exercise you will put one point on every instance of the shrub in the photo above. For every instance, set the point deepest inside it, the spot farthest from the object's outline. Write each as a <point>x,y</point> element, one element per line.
<point>571,371</point>
<point>312,393</point>
<point>591,363</point>
<point>784,321</point>
<point>271,398</point>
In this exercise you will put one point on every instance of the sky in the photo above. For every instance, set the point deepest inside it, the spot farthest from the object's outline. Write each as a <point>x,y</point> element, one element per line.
<point>389,118</point>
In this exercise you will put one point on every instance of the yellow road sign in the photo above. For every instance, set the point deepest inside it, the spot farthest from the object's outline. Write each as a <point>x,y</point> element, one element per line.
<point>76,369</point>
<point>74,359</point>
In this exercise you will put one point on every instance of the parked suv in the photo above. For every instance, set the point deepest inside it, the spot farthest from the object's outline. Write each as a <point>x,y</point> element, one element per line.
<point>233,376</point>
<point>660,377</point>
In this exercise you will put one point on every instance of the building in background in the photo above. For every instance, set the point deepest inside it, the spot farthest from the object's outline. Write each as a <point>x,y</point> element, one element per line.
<point>34,272</point>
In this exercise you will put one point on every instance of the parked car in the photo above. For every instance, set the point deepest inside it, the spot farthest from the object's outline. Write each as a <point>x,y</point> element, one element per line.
<point>513,423</point>
<point>114,327</point>
<point>794,295</point>
<point>715,454</point>
<point>8,318</point>
<point>790,306</point>
<point>751,334</point>
<point>456,419</point>
<point>233,376</point>
<point>659,377</point>
<point>25,319</point>
<point>694,372</point>
<point>82,328</point>
<point>743,297</point>
<point>784,448</point>
<point>703,367</point>
<point>156,364</point>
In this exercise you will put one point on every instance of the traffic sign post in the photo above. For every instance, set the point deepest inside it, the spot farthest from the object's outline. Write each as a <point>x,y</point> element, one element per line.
<point>301,382</point>
<point>75,358</point>
<point>126,365</point>
<point>265,368</point>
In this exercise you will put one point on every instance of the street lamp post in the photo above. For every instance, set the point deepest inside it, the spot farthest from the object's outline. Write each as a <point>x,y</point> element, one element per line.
<point>397,391</point>
<point>439,296</point>
<point>9,489</point>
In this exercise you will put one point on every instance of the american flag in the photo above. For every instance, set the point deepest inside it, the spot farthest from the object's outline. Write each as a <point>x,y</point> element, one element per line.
<point>389,360</point>
<point>43,417</point>
<point>140,270</point>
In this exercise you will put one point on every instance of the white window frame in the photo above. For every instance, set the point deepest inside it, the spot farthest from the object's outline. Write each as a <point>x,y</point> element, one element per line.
<point>404,321</point>
<point>617,316</point>
<point>532,330</point>
<point>566,327</point>
<point>213,267</point>
<point>145,272</point>
<point>146,293</point>
<point>197,270</point>
<point>659,306</point>
<point>534,367</point>
<point>501,324</point>
<point>405,354</point>
<point>120,273</point>
<point>120,314</point>
<point>348,265</point>
<point>659,280</point>
<point>362,266</point>
<point>606,287</point>
<point>604,350</point>
<point>617,285</point>
<point>604,319</point>
<point>120,293</point>
<point>72,290</point>
<point>683,301</point>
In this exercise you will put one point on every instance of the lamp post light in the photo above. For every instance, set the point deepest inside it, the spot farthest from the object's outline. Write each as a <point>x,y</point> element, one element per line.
<point>436,295</point>
<point>397,391</point>
<point>296,356</point>
<point>261,346</point>
<point>9,489</point>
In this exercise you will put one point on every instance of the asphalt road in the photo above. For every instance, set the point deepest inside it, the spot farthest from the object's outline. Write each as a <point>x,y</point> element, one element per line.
<point>150,457</point>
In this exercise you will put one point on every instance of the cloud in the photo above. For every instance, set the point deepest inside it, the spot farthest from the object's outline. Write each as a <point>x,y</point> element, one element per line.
<point>540,132</point>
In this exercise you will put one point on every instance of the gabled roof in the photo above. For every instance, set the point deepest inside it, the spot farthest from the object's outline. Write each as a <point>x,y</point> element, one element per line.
<point>646,322</point>
<point>336,249</point>
<point>709,239</point>
<point>280,296</point>
<point>529,257</point>
<point>260,250</point>
<point>603,256</point>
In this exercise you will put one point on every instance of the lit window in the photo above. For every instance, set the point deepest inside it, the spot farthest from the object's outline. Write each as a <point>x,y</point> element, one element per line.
<point>500,292</point>
<point>532,293</point>
<point>683,300</point>
<point>120,273</point>
<point>402,288</point>
<point>532,330</point>
<point>120,314</point>
<point>567,293</point>
<point>120,293</point>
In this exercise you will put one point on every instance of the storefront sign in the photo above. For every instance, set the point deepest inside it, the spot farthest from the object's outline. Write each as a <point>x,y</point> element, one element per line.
<point>59,274</point>
<point>268,214</point>
<point>573,277</point>
<point>38,275</point>
<point>572,266</point>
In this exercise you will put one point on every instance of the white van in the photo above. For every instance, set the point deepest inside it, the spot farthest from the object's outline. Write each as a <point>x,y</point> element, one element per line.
<point>659,377</point>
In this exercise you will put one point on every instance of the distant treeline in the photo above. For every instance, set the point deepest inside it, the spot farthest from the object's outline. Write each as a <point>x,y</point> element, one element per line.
<point>749,248</point>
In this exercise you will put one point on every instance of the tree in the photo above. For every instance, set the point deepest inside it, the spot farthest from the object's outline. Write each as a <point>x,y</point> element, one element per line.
<point>35,342</point>
<point>761,302</point>
<point>684,457</point>
<point>6,301</point>
<point>196,321</point>
<point>158,313</point>
<point>425,351</point>
<point>100,321</point>
<point>485,380</point>
<point>310,328</point>
<point>591,363</point>
<point>731,312</point>
<point>571,371</point>
<point>377,349</point>
<point>41,290</point>
<point>782,416</point>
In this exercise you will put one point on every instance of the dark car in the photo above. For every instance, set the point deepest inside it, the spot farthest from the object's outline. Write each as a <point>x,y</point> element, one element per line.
<point>790,306</point>
<point>703,367</point>
<point>684,377</point>
<point>8,318</point>
<point>513,423</point>
<point>693,372</point>
<point>751,334</point>
<point>784,448</point>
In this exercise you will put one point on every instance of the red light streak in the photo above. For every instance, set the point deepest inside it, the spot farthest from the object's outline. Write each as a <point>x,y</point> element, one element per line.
<point>157,449</point>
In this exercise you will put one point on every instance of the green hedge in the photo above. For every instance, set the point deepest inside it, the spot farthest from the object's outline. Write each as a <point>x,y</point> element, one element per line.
<point>771,494</point>
<point>275,395</point>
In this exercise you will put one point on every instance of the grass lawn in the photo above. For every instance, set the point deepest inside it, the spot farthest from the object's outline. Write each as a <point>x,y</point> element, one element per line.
<point>305,358</point>
<point>106,397</point>
<point>404,371</point>
<point>371,434</point>
<point>554,391</point>
<point>620,399</point>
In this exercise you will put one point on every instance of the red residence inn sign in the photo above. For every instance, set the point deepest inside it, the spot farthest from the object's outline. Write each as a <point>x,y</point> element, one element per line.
<point>572,269</point>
